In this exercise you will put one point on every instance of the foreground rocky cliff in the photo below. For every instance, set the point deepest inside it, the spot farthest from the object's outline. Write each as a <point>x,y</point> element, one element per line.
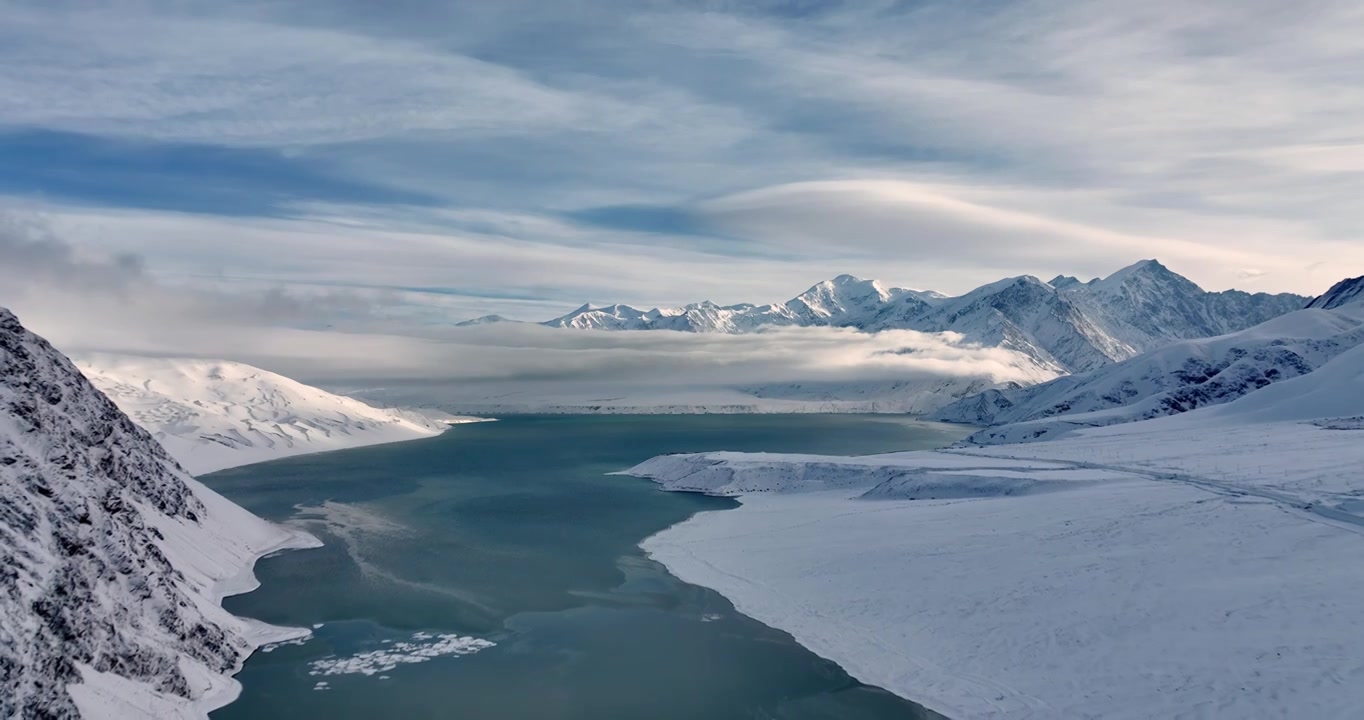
<point>112,559</point>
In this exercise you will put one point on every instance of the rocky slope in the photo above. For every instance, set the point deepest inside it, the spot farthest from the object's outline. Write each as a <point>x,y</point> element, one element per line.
<point>112,558</point>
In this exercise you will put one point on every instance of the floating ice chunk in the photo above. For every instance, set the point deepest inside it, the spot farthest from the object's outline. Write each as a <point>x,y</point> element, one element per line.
<point>421,648</point>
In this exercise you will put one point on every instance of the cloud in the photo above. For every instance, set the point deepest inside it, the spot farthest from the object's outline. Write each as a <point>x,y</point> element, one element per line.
<point>85,304</point>
<point>535,353</point>
<point>521,158</point>
<point>950,229</point>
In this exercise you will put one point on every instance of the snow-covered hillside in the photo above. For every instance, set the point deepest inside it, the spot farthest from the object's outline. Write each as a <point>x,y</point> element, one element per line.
<point>1174,379</point>
<point>1168,381</point>
<point>1066,325</point>
<point>213,414</point>
<point>1345,292</point>
<point>1131,571</point>
<point>114,559</point>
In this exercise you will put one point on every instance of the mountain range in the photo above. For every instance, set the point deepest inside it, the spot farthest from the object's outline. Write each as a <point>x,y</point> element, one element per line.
<point>1065,325</point>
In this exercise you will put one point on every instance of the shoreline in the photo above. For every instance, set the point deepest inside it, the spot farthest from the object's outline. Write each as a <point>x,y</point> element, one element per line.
<point>231,459</point>
<point>696,571</point>
<point>258,634</point>
<point>1046,580</point>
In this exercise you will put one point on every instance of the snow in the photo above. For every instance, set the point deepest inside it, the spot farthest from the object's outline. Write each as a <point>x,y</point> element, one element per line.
<point>1345,292</point>
<point>214,414</point>
<point>421,647</point>
<point>1176,378</point>
<point>1077,327</point>
<point>117,560</point>
<point>217,557</point>
<point>1199,565</point>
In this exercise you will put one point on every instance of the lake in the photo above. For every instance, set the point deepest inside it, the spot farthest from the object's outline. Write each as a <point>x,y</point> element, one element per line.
<point>512,533</point>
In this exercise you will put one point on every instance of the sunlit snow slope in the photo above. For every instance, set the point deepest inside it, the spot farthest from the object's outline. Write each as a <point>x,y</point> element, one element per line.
<point>212,414</point>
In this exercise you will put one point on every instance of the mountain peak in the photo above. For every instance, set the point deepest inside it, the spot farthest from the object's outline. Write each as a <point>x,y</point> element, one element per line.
<point>486,320</point>
<point>1146,272</point>
<point>1143,266</point>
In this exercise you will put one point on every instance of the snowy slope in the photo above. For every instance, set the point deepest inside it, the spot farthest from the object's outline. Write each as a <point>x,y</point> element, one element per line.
<point>1176,378</point>
<point>1333,395</point>
<point>114,558</point>
<point>1132,571</point>
<point>1345,292</point>
<point>1071,327</point>
<point>212,414</point>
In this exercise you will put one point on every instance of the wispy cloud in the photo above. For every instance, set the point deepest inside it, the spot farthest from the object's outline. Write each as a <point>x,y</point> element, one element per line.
<point>521,158</point>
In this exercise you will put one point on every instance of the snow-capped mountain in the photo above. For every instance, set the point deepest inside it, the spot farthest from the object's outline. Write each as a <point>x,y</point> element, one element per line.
<point>212,414</point>
<point>114,559</point>
<point>486,320</point>
<point>1066,325</point>
<point>844,301</point>
<point>1173,379</point>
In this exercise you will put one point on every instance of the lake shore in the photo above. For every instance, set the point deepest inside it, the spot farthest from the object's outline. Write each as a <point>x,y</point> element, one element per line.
<point>1117,575</point>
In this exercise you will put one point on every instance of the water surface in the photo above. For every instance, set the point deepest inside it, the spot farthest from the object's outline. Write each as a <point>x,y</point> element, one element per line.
<point>512,532</point>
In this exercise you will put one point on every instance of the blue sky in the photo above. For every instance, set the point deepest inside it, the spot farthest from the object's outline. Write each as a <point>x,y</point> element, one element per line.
<point>432,161</point>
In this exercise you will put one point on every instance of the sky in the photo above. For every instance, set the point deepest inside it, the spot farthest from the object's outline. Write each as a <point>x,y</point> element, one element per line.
<point>350,166</point>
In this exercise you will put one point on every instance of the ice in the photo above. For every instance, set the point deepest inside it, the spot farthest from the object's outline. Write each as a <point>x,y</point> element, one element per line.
<point>422,647</point>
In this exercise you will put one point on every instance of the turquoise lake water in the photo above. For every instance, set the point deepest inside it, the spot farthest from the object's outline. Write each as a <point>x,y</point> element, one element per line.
<point>512,533</point>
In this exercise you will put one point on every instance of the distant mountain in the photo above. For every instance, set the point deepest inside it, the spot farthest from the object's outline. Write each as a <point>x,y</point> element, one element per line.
<point>1066,325</point>
<point>486,320</point>
<point>844,301</point>
<point>212,414</point>
<point>113,559</point>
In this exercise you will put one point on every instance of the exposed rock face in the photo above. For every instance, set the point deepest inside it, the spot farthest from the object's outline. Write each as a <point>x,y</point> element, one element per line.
<point>86,581</point>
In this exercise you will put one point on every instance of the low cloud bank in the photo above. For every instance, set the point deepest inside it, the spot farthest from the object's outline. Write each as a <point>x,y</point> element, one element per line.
<point>113,305</point>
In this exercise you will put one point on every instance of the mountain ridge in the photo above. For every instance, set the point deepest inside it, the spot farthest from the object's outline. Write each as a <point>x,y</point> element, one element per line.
<point>1069,325</point>
<point>113,559</point>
